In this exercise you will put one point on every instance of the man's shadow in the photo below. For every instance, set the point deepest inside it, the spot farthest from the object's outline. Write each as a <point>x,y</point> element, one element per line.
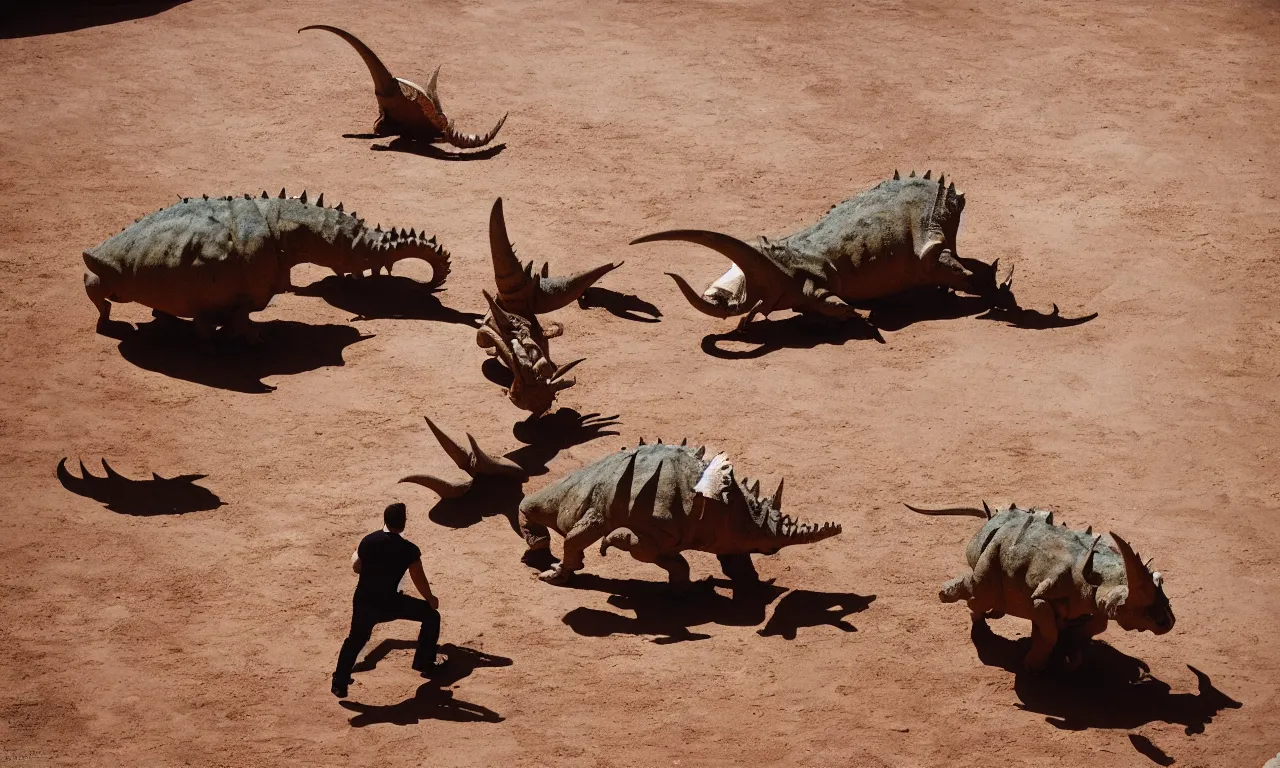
<point>171,347</point>
<point>410,146</point>
<point>390,297</point>
<point>544,438</point>
<point>432,700</point>
<point>669,618</point>
<point>1112,690</point>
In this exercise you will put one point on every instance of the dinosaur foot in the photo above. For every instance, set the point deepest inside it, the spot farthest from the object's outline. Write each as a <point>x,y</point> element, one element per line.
<point>556,576</point>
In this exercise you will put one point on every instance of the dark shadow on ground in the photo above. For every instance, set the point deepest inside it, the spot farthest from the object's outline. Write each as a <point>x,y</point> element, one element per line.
<point>664,615</point>
<point>1149,750</point>
<point>804,608</point>
<point>25,19</point>
<point>431,701</point>
<point>625,305</point>
<point>1112,690</point>
<point>1032,320</point>
<point>426,149</point>
<point>144,498</point>
<point>544,438</point>
<point>387,297</point>
<point>497,373</point>
<point>171,347</point>
<point>795,332</point>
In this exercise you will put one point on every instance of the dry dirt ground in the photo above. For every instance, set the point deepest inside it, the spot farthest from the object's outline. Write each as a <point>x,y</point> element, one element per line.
<point>1122,154</point>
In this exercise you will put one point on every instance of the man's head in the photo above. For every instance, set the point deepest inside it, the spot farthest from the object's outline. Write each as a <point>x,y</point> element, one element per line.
<point>394,517</point>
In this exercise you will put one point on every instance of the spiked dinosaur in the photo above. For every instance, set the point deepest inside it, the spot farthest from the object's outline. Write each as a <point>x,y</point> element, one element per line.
<point>1069,583</point>
<point>897,236</point>
<point>654,501</point>
<point>511,330</point>
<point>406,108</point>
<point>218,259</point>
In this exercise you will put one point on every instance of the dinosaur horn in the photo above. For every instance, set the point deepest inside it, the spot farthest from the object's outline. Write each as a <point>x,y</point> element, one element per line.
<point>384,83</point>
<point>460,455</point>
<point>470,140</point>
<point>1141,585</point>
<point>484,464</point>
<point>500,316</point>
<point>431,86</point>
<point>759,270</point>
<point>697,301</point>
<point>966,511</point>
<point>562,370</point>
<point>446,489</point>
<point>507,272</point>
<point>552,293</point>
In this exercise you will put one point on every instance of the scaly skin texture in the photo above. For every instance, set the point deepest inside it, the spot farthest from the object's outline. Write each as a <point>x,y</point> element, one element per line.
<point>218,259</point>
<point>654,501</point>
<point>897,236</point>
<point>1070,584</point>
<point>406,108</point>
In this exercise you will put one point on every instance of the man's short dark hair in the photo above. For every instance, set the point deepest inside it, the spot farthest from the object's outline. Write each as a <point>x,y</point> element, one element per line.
<point>394,516</point>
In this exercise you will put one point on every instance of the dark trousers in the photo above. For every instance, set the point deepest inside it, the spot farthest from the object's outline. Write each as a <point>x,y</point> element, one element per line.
<point>366,613</point>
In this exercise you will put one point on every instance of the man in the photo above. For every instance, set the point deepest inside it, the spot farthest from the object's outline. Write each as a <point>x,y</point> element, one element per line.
<point>381,560</point>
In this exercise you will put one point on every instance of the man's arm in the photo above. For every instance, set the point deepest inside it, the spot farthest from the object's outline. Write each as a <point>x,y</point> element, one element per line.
<point>355,561</point>
<point>420,583</point>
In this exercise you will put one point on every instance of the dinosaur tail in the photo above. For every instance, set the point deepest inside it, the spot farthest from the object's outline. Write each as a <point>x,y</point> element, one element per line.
<point>984,513</point>
<point>384,83</point>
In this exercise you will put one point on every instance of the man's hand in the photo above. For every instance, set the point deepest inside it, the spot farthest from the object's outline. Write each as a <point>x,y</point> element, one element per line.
<point>420,583</point>
<point>355,561</point>
<point>434,602</point>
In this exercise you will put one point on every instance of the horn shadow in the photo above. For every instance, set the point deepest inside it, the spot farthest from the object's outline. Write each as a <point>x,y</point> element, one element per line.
<point>795,332</point>
<point>1119,691</point>
<point>140,498</point>
<point>411,146</point>
<point>624,305</point>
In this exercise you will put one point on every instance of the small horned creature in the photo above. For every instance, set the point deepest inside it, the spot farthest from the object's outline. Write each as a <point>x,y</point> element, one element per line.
<point>511,330</point>
<point>654,501</point>
<point>1069,583</point>
<point>897,236</point>
<point>218,259</point>
<point>406,108</point>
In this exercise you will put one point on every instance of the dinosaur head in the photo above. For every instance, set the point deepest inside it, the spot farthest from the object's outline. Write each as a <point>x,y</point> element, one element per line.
<point>992,283</point>
<point>752,278</point>
<point>523,347</point>
<point>1137,600</point>
<point>753,523</point>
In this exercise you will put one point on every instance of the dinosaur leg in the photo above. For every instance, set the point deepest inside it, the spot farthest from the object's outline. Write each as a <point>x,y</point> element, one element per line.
<point>949,272</point>
<point>205,323</point>
<point>1044,635</point>
<point>98,295</point>
<point>583,534</point>
<point>536,535</point>
<point>677,569</point>
<point>751,315</point>
<point>739,568</point>
<point>1078,639</point>
<point>243,327</point>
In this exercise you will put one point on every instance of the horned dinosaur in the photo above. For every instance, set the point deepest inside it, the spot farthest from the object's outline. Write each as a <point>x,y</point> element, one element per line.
<point>1069,583</point>
<point>654,501</point>
<point>218,259</point>
<point>897,236</point>
<point>406,108</point>
<point>511,330</point>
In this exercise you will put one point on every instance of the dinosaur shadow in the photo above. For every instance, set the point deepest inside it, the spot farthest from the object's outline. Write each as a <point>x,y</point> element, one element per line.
<point>426,149</point>
<point>665,617</point>
<point>544,439</point>
<point>497,373</point>
<point>143,498</point>
<point>171,347</point>
<point>34,19</point>
<point>795,332</point>
<point>1149,750</point>
<point>898,312</point>
<point>432,700</point>
<point>805,608</point>
<point>1113,690</point>
<point>387,297</point>
<point>625,305</point>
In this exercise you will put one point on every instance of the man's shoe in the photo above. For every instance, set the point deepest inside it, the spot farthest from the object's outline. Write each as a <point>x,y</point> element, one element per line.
<point>339,689</point>
<point>433,669</point>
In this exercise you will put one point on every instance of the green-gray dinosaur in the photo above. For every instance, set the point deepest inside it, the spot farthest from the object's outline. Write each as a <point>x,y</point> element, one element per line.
<point>1070,584</point>
<point>218,259</point>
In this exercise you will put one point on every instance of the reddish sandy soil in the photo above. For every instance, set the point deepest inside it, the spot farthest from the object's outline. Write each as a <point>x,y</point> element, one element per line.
<point>1124,156</point>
